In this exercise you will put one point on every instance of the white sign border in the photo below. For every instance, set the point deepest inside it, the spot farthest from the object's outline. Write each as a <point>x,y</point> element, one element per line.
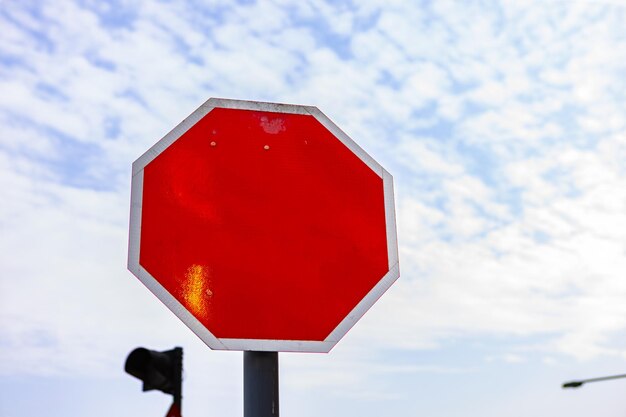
<point>256,344</point>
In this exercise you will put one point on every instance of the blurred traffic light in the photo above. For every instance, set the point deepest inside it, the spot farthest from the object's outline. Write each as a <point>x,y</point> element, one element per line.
<point>158,370</point>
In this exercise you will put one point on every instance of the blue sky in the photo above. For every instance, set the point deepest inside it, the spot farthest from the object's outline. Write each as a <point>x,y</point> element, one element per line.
<point>503,123</point>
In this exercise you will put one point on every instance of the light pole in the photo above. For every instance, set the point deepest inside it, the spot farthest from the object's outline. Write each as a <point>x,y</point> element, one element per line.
<point>576,384</point>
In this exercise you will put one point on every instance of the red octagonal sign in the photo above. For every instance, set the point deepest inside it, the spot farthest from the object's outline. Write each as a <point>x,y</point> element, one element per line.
<point>263,226</point>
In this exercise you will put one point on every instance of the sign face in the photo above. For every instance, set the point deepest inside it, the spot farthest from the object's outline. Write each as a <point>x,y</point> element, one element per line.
<point>262,226</point>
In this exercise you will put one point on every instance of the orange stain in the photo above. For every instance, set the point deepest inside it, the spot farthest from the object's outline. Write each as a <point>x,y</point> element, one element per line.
<point>196,290</point>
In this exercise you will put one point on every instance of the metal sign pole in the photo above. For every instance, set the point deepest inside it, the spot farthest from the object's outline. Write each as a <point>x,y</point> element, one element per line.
<point>260,384</point>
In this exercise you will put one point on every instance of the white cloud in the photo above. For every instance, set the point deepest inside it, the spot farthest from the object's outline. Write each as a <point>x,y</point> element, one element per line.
<point>527,243</point>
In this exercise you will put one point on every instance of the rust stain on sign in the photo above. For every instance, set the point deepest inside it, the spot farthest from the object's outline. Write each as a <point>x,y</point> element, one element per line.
<point>196,289</point>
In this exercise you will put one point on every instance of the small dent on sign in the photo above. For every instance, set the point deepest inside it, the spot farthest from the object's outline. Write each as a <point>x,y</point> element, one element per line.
<point>266,147</point>
<point>213,143</point>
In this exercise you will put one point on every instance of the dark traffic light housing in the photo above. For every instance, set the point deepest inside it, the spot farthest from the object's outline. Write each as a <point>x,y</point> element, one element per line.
<point>158,370</point>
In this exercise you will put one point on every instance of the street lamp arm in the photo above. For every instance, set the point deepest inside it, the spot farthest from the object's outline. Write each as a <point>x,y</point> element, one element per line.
<point>576,384</point>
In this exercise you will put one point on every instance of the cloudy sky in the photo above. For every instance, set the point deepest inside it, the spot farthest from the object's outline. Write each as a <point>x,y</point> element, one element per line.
<point>502,122</point>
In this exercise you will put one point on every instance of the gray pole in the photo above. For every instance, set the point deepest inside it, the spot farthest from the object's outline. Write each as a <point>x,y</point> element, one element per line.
<point>260,384</point>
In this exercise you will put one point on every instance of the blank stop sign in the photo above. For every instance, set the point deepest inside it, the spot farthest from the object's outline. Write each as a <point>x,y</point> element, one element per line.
<point>263,226</point>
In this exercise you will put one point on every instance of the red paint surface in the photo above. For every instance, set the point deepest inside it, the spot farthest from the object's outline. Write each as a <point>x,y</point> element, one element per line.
<point>288,239</point>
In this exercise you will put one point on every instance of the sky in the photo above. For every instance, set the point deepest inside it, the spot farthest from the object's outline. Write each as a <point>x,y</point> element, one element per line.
<point>502,122</point>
